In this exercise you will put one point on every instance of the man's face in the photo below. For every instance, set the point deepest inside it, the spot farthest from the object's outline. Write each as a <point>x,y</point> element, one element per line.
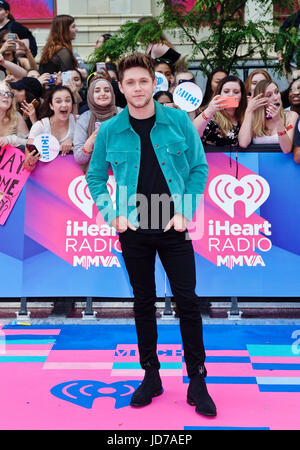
<point>137,86</point>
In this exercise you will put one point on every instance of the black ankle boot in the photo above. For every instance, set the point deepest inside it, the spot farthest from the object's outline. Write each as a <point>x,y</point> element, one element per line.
<point>197,395</point>
<point>150,387</point>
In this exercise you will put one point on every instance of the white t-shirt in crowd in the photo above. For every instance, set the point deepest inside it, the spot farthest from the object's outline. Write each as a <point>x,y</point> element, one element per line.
<point>273,139</point>
<point>43,127</point>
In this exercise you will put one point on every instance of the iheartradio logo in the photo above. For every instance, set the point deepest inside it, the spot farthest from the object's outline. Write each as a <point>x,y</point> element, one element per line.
<point>252,190</point>
<point>79,194</point>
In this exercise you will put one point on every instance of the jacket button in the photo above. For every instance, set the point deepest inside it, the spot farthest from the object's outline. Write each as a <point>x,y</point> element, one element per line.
<point>162,163</point>
<point>178,153</point>
<point>170,180</point>
<point>116,162</point>
<point>135,167</point>
<point>156,145</point>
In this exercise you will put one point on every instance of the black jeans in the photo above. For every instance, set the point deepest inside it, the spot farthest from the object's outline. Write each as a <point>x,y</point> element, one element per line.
<point>177,256</point>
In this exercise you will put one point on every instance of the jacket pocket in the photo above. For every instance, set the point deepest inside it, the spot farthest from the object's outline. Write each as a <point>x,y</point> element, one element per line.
<point>177,148</point>
<point>118,161</point>
<point>116,158</point>
<point>176,154</point>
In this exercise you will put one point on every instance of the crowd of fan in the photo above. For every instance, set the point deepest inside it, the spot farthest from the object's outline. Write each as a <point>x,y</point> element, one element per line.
<point>63,97</point>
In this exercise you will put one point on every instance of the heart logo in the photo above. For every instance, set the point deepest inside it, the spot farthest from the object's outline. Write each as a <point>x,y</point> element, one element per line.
<point>252,190</point>
<point>80,195</point>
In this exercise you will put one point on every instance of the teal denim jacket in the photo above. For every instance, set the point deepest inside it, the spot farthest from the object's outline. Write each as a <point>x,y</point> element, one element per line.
<point>178,149</point>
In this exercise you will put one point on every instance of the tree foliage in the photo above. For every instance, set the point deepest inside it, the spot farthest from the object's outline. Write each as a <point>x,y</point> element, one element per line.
<point>216,30</point>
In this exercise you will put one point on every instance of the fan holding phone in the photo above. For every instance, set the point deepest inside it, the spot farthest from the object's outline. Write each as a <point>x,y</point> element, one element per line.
<point>56,120</point>
<point>220,122</point>
<point>265,120</point>
<point>13,129</point>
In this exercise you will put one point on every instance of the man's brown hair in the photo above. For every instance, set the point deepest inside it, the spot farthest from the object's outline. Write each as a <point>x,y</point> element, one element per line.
<point>136,60</point>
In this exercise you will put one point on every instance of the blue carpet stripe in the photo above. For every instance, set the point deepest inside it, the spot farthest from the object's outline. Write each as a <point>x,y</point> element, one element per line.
<point>226,428</point>
<point>278,388</point>
<point>271,350</point>
<point>226,380</point>
<point>136,365</point>
<point>228,359</point>
<point>22,359</point>
<point>278,380</point>
<point>29,341</point>
<point>30,337</point>
<point>47,326</point>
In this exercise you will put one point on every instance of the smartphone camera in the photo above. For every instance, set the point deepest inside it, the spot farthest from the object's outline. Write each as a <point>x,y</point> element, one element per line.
<point>268,116</point>
<point>52,80</point>
<point>12,37</point>
<point>100,68</point>
<point>66,78</point>
<point>33,150</point>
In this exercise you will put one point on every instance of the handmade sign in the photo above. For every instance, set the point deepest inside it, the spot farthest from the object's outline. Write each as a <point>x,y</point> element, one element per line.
<point>13,176</point>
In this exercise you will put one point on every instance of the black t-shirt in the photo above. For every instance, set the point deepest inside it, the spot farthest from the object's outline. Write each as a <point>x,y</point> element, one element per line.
<point>23,33</point>
<point>154,215</point>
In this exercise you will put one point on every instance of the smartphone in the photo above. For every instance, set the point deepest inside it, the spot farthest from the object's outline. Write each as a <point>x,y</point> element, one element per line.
<point>230,102</point>
<point>32,149</point>
<point>34,102</point>
<point>52,80</point>
<point>268,115</point>
<point>66,77</point>
<point>11,36</point>
<point>100,67</point>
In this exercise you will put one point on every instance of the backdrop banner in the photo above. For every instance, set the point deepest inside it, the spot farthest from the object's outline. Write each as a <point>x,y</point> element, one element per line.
<point>245,233</point>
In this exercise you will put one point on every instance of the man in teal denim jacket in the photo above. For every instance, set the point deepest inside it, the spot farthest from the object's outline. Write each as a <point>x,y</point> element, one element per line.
<point>148,141</point>
<point>177,147</point>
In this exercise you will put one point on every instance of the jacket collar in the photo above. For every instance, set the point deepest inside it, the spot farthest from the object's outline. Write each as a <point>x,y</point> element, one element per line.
<point>161,116</point>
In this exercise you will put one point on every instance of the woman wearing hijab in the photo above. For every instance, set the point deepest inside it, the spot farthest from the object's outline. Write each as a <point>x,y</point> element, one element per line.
<point>102,106</point>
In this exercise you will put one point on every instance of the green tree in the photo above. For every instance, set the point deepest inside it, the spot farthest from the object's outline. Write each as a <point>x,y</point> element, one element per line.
<point>228,39</point>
